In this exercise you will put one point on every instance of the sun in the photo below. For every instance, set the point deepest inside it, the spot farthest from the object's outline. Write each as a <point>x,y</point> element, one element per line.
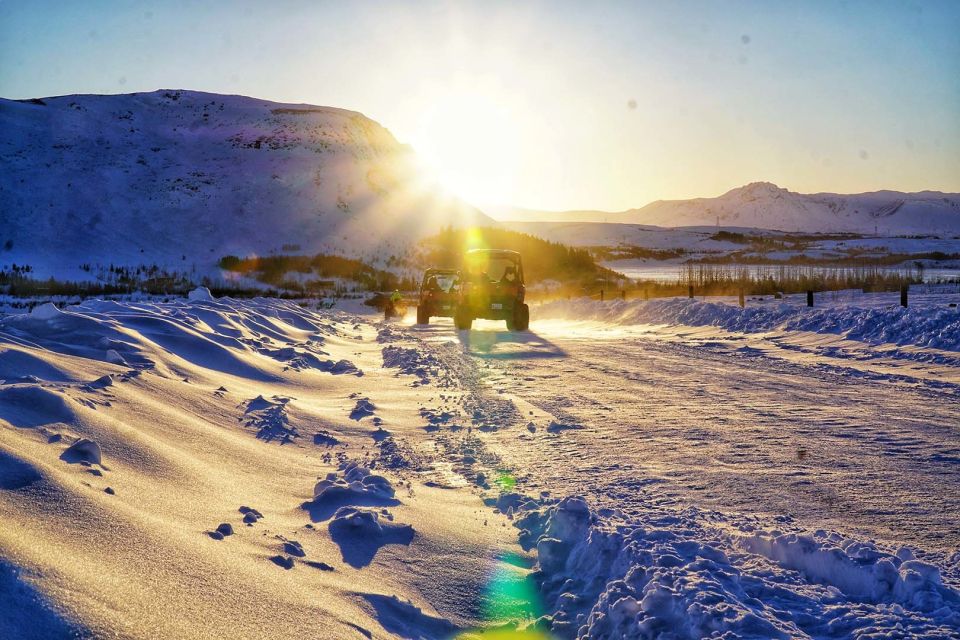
<point>468,141</point>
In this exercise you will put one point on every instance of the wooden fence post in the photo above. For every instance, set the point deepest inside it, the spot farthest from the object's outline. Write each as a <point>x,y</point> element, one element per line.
<point>809,298</point>
<point>904,291</point>
<point>691,292</point>
<point>743,302</point>
<point>601,295</point>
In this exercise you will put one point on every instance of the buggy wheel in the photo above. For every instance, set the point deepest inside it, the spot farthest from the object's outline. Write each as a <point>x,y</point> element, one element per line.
<point>521,318</point>
<point>463,321</point>
<point>423,315</point>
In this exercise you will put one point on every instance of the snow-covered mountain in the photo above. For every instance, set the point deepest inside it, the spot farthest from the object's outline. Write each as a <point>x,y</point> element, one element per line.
<point>184,177</point>
<point>762,205</point>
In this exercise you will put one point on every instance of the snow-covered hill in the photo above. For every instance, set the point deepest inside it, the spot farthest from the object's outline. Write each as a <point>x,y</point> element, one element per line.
<point>184,177</point>
<point>767,206</point>
<point>762,205</point>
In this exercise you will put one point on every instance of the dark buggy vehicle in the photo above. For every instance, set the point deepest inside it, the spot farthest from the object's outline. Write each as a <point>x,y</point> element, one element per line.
<point>493,289</point>
<point>439,294</point>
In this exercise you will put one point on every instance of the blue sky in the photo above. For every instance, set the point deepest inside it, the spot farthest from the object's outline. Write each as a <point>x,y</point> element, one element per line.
<point>555,105</point>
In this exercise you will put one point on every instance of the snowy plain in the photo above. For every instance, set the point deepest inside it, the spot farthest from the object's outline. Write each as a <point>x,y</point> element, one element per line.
<point>672,468</point>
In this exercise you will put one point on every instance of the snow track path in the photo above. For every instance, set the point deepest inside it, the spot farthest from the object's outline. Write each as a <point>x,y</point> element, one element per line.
<point>724,424</point>
<point>688,482</point>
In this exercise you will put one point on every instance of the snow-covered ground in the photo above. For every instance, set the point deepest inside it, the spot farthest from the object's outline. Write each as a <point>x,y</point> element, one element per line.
<point>673,468</point>
<point>931,319</point>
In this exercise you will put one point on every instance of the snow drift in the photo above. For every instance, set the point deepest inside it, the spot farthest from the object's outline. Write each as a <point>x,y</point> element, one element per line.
<point>934,326</point>
<point>694,574</point>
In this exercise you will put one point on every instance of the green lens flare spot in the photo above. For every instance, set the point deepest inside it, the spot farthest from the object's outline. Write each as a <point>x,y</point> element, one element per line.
<point>506,482</point>
<point>510,594</point>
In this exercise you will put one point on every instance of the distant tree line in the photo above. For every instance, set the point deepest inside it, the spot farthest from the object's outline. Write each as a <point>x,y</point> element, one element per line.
<point>275,271</point>
<point>542,259</point>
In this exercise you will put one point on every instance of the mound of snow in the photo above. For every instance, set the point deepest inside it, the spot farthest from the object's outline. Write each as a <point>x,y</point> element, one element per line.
<point>411,361</point>
<point>340,367</point>
<point>83,450</point>
<point>16,473</point>
<point>46,311</point>
<point>353,481</point>
<point>200,293</point>
<point>362,409</point>
<point>114,356</point>
<point>858,569</point>
<point>33,406</point>
<point>360,534</point>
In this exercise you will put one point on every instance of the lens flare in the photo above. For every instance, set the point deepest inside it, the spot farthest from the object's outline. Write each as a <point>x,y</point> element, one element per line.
<point>510,600</point>
<point>505,481</point>
<point>474,239</point>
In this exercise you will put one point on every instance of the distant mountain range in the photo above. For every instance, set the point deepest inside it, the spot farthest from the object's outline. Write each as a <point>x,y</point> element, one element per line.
<point>184,177</point>
<point>763,205</point>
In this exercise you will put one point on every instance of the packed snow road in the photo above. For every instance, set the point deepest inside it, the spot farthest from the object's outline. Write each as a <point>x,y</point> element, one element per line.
<point>735,422</point>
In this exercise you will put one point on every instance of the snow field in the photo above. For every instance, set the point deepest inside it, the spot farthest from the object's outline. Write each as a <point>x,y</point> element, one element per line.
<point>872,318</point>
<point>221,411</point>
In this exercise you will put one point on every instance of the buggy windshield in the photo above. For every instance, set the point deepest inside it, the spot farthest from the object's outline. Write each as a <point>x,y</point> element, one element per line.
<point>446,282</point>
<point>491,268</point>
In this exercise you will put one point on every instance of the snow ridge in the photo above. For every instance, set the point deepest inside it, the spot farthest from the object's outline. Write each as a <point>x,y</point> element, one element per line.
<point>937,327</point>
<point>696,574</point>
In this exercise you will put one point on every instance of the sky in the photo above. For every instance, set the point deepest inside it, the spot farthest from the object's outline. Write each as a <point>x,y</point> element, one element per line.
<point>554,105</point>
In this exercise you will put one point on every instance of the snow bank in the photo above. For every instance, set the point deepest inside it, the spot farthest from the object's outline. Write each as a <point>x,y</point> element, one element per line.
<point>47,311</point>
<point>937,327</point>
<point>692,574</point>
<point>857,569</point>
